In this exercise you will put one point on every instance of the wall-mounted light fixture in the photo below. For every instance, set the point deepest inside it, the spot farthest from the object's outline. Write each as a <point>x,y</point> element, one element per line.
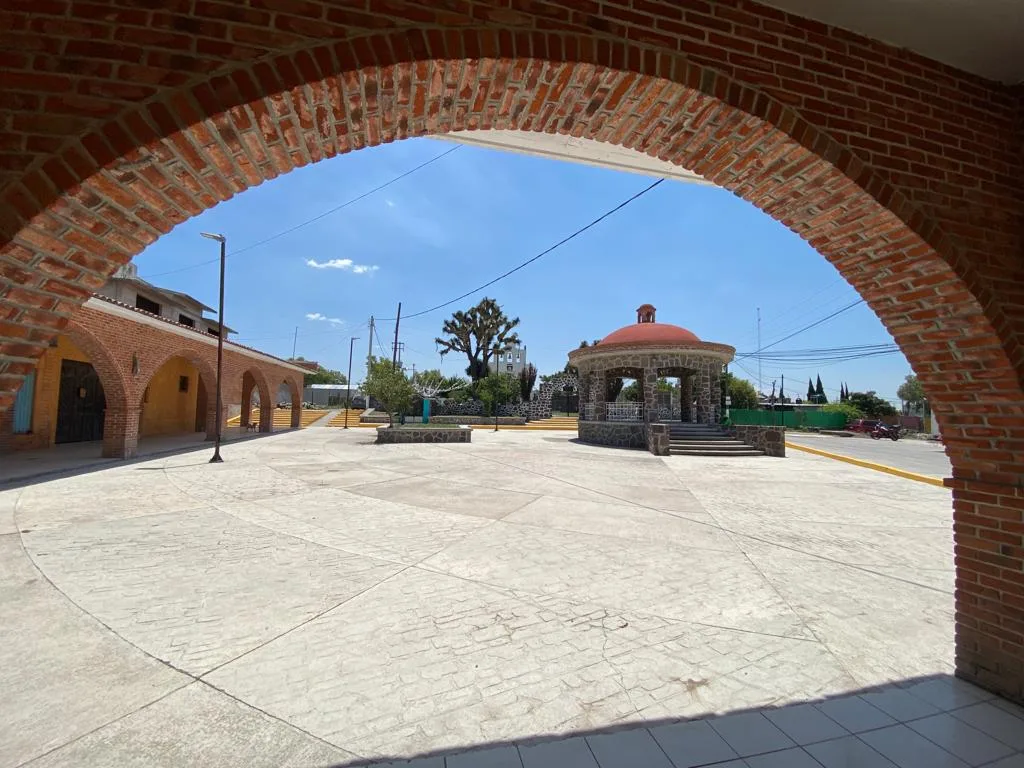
<point>135,364</point>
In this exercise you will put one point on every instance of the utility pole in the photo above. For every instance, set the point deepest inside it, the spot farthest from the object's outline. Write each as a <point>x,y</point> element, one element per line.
<point>295,341</point>
<point>759,385</point>
<point>369,350</point>
<point>394,352</point>
<point>348,383</point>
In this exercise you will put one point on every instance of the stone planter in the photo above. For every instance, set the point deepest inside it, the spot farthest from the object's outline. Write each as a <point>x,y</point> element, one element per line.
<point>424,435</point>
<point>771,440</point>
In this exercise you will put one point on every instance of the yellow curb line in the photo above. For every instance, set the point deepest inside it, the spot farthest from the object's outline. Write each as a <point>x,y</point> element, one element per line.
<point>870,465</point>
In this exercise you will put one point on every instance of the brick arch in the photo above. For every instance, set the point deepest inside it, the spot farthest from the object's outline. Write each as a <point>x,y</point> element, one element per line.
<point>207,374</point>
<point>295,393</point>
<point>121,419</point>
<point>254,379</point>
<point>886,219</point>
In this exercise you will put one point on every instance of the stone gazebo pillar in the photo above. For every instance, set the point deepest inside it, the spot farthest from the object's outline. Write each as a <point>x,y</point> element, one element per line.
<point>686,395</point>
<point>715,375</point>
<point>600,395</point>
<point>650,386</point>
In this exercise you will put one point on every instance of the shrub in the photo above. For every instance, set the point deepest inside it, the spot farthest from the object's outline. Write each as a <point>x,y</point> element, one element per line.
<point>851,412</point>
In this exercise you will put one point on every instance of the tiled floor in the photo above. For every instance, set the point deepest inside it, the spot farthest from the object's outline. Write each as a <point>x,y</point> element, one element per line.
<point>939,722</point>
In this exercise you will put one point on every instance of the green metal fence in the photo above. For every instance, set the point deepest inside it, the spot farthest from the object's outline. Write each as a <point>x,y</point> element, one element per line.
<point>791,419</point>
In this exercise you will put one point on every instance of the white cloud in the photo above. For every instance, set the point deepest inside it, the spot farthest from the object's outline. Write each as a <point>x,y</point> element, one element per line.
<point>324,318</point>
<point>343,264</point>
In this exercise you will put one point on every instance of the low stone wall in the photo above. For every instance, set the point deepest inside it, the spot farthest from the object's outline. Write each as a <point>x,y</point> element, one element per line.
<point>424,435</point>
<point>771,440</point>
<point>619,434</point>
<point>476,420</point>
<point>658,436</point>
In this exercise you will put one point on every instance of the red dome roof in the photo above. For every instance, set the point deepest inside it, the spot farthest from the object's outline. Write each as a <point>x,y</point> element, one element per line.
<point>650,333</point>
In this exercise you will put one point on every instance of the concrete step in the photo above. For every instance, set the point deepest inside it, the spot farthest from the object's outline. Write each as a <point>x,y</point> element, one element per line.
<point>722,444</point>
<point>712,452</point>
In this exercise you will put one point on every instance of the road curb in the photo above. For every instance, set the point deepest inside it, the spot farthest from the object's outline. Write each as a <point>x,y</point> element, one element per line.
<point>936,481</point>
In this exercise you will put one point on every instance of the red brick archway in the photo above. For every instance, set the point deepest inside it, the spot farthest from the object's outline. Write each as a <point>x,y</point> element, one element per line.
<point>905,174</point>
<point>254,380</point>
<point>207,376</point>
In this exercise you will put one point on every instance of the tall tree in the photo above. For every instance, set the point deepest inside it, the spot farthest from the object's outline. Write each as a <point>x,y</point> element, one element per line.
<point>389,386</point>
<point>911,392</point>
<point>323,376</point>
<point>497,389</point>
<point>871,405</point>
<point>810,390</point>
<point>527,378</point>
<point>819,393</point>
<point>478,333</point>
<point>614,388</point>
<point>740,391</point>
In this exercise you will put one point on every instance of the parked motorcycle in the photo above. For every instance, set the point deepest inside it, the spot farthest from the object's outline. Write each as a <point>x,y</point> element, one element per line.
<point>884,430</point>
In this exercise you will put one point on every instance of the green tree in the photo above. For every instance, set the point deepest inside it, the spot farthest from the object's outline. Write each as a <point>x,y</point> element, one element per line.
<point>740,391</point>
<point>389,386</point>
<point>911,392</point>
<point>810,390</point>
<point>851,412</point>
<point>871,405</point>
<point>631,393</point>
<point>497,389</point>
<point>478,333</point>
<point>819,393</point>
<point>614,389</point>
<point>527,378</point>
<point>324,376</point>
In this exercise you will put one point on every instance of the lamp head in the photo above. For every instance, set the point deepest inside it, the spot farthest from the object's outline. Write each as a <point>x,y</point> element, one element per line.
<point>213,236</point>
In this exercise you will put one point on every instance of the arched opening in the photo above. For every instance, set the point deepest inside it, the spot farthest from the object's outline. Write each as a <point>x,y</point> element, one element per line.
<point>938,289</point>
<point>179,398</point>
<point>256,412</point>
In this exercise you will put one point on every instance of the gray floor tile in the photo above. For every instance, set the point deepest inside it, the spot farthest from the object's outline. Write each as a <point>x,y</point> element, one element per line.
<point>498,757</point>
<point>855,714</point>
<point>804,724</point>
<point>900,705</point>
<point>750,733</point>
<point>787,758</point>
<point>690,744</point>
<point>628,749</point>
<point>568,753</point>
<point>848,752</point>
<point>1017,761</point>
<point>948,693</point>
<point>996,722</point>
<point>961,739</point>
<point>910,750</point>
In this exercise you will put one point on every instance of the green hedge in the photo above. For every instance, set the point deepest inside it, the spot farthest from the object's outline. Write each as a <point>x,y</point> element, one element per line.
<point>792,419</point>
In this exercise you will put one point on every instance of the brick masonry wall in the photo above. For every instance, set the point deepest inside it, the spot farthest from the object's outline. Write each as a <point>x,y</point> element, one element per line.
<point>119,122</point>
<point>126,354</point>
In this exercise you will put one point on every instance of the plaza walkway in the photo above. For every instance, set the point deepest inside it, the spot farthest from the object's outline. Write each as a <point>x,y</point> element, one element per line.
<point>320,600</point>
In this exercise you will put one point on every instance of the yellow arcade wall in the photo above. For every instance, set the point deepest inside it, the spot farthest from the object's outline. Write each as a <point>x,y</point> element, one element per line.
<point>165,409</point>
<point>44,407</point>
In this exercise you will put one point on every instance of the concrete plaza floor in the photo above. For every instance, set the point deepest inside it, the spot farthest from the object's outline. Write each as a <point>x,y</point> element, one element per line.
<point>320,600</point>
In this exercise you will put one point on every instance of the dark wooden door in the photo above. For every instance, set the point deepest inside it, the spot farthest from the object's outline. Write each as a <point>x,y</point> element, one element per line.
<point>81,405</point>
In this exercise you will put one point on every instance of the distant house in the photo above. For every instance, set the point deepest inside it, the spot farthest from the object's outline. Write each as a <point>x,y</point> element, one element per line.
<point>512,362</point>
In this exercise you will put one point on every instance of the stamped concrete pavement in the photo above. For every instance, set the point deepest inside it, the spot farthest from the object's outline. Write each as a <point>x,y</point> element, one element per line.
<point>318,599</point>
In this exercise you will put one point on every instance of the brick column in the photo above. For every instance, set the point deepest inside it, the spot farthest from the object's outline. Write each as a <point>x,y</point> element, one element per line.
<point>121,431</point>
<point>988,537</point>
<point>211,417</point>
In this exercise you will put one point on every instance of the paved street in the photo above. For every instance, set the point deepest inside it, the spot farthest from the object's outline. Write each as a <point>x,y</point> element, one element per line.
<point>320,600</point>
<point>921,456</point>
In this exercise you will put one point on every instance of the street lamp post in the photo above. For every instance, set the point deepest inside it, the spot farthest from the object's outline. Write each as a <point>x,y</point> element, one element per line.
<point>348,380</point>
<point>220,343</point>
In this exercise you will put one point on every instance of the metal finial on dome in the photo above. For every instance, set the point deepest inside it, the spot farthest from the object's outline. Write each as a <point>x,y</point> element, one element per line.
<point>645,313</point>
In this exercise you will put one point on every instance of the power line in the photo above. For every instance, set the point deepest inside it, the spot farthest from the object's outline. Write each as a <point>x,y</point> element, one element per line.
<point>543,253</point>
<point>316,218</point>
<point>807,327</point>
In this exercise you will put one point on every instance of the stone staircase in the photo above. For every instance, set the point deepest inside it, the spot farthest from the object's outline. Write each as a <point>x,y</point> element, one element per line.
<point>705,440</point>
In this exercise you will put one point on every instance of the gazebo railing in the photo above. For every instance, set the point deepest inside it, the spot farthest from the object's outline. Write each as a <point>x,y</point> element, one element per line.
<point>589,410</point>
<point>624,411</point>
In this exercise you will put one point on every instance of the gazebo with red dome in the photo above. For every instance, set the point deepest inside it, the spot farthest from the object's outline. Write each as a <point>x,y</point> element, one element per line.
<point>647,351</point>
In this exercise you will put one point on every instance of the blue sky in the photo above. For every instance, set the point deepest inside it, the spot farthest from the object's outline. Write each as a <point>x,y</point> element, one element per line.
<point>705,258</point>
